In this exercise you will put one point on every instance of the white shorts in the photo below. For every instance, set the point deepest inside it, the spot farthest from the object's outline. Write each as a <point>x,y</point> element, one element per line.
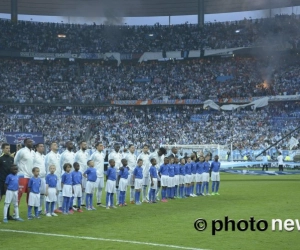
<point>67,191</point>
<point>176,180</point>
<point>84,182</point>
<point>193,177</point>
<point>100,182</point>
<point>34,200</point>
<point>77,191</point>
<point>58,185</point>
<point>130,180</point>
<point>215,176</point>
<point>90,187</point>
<point>188,178</point>
<point>146,181</point>
<point>181,179</point>
<point>138,183</point>
<point>123,183</point>
<point>171,181</point>
<point>205,177</point>
<point>164,180</point>
<point>11,197</point>
<point>199,177</point>
<point>43,186</point>
<point>154,183</point>
<point>51,195</point>
<point>110,186</point>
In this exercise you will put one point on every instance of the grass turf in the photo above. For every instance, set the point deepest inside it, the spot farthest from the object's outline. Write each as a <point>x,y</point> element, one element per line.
<point>172,223</point>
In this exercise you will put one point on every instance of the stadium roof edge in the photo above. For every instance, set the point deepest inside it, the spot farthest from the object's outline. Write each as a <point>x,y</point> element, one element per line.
<point>138,8</point>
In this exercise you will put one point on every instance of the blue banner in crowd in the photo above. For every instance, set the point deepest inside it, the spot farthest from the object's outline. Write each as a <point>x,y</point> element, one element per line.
<point>19,137</point>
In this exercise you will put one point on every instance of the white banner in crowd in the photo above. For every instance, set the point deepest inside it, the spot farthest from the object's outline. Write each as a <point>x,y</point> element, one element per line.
<point>214,52</point>
<point>256,104</point>
<point>173,54</point>
<point>148,56</point>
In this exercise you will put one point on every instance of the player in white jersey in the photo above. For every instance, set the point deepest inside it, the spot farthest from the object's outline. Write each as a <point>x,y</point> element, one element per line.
<point>68,155</point>
<point>159,156</point>
<point>98,158</point>
<point>82,157</point>
<point>24,161</point>
<point>39,161</point>
<point>146,167</point>
<point>53,158</point>
<point>117,156</point>
<point>131,163</point>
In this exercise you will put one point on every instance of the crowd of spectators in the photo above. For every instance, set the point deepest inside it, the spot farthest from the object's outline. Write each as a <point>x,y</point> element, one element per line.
<point>246,128</point>
<point>24,80</point>
<point>42,85</point>
<point>280,31</point>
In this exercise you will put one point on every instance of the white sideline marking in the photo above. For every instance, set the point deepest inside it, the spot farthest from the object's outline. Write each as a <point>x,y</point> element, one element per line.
<point>102,239</point>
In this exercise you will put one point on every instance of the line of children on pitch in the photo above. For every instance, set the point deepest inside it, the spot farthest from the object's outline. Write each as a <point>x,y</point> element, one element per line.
<point>71,189</point>
<point>121,182</point>
<point>177,179</point>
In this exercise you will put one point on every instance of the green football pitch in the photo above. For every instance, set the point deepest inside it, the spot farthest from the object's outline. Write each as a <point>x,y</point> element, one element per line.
<point>171,225</point>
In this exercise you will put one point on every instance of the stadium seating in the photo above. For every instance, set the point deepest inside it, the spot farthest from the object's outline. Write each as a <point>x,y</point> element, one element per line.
<point>49,89</point>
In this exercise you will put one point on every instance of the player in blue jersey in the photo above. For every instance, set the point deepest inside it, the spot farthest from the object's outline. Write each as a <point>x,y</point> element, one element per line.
<point>34,185</point>
<point>205,176</point>
<point>181,178</point>
<point>138,181</point>
<point>199,175</point>
<point>164,176</point>
<point>171,183</point>
<point>193,174</point>
<point>11,195</point>
<point>77,186</point>
<point>153,181</point>
<point>123,182</point>
<point>188,177</point>
<point>51,191</point>
<point>111,177</point>
<point>91,175</point>
<point>215,175</point>
<point>67,190</point>
<point>176,177</point>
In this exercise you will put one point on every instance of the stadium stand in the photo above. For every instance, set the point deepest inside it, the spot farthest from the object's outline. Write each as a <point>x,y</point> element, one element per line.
<point>72,100</point>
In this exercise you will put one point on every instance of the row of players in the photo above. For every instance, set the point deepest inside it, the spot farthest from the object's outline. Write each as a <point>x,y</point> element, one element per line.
<point>26,159</point>
<point>173,176</point>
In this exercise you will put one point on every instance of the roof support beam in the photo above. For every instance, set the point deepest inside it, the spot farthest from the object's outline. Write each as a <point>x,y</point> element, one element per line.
<point>14,11</point>
<point>201,6</point>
